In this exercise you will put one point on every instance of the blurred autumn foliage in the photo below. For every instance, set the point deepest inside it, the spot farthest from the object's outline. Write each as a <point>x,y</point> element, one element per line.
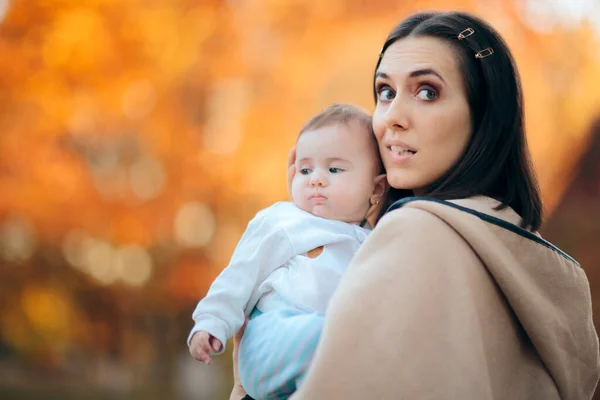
<point>138,137</point>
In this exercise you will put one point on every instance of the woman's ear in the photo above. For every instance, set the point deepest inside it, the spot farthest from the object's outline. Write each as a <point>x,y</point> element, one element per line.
<point>380,188</point>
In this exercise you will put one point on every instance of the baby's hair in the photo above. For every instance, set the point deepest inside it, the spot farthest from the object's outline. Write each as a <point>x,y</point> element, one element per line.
<point>344,114</point>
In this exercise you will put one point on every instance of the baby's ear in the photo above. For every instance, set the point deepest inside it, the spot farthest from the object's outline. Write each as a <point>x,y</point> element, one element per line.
<point>380,189</point>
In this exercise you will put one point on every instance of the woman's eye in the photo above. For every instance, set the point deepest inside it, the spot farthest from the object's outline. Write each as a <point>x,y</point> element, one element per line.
<point>305,171</point>
<point>386,94</point>
<point>427,94</point>
<point>334,170</point>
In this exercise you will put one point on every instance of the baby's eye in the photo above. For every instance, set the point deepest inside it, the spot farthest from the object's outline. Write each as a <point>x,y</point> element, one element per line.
<point>305,171</point>
<point>334,170</point>
<point>427,94</point>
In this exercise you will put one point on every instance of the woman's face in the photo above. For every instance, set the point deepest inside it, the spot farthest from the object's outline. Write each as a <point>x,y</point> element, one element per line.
<point>422,120</point>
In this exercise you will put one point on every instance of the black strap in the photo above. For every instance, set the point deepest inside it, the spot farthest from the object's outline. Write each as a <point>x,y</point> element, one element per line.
<point>487,218</point>
<point>247,397</point>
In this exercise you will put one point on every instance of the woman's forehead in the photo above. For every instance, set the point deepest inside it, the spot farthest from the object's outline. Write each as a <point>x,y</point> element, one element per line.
<point>422,52</point>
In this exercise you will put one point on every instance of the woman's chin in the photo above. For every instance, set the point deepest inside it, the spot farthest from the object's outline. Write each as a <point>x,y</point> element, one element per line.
<point>404,182</point>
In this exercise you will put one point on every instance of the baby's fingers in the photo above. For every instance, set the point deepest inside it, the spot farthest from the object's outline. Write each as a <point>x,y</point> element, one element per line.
<point>205,358</point>
<point>201,353</point>
<point>216,344</point>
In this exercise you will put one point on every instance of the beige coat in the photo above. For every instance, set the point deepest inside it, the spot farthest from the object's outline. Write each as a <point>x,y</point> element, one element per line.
<point>442,304</point>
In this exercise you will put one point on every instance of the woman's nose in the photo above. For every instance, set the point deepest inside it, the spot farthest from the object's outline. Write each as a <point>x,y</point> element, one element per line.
<point>396,116</point>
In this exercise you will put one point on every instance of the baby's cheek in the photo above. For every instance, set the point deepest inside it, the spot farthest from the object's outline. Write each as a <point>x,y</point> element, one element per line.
<point>296,190</point>
<point>301,204</point>
<point>354,197</point>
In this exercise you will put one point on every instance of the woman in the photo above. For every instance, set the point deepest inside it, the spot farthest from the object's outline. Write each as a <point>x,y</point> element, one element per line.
<point>454,295</point>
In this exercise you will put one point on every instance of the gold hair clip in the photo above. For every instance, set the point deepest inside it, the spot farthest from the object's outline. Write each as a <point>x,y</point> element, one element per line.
<point>484,53</point>
<point>466,33</point>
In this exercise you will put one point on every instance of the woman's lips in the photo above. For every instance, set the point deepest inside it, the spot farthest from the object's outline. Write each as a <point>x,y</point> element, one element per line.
<point>400,154</point>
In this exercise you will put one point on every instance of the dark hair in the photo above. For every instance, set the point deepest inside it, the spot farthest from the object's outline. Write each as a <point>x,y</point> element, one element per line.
<point>496,161</point>
<point>344,114</point>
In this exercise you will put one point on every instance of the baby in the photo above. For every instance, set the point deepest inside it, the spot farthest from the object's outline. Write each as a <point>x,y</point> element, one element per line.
<point>291,257</point>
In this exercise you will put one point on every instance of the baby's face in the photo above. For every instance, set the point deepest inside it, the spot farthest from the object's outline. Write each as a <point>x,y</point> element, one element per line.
<point>336,166</point>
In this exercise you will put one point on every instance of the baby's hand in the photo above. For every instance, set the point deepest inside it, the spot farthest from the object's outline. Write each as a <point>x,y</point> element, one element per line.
<point>203,345</point>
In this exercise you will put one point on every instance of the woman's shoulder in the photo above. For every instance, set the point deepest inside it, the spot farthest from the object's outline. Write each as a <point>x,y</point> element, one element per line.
<point>479,222</point>
<point>431,232</point>
<point>411,250</point>
<point>417,237</point>
<point>478,206</point>
<point>407,218</point>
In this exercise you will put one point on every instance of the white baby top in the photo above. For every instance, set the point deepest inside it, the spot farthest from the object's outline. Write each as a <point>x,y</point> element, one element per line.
<point>270,259</point>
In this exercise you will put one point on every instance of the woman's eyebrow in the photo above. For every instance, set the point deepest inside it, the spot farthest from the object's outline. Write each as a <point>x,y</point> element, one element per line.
<point>425,71</point>
<point>413,74</point>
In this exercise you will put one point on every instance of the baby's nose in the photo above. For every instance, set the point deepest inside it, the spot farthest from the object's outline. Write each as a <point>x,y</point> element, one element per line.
<point>317,179</point>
